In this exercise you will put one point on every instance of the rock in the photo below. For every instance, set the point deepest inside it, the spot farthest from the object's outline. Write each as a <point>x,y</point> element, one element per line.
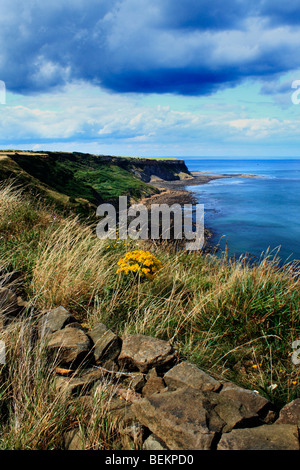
<point>154,443</point>
<point>153,385</point>
<point>144,352</point>
<point>179,418</point>
<point>9,302</point>
<point>107,345</point>
<point>75,385</point>
<point>75,324</point>
<point>109,366</point>
<point>74,440</point>
<point>86,404</point>
<point>233,413</point>
<point>137,382</point>
<point>152,373</point>
<point>290,413</point>
<point>120,409</point>
<point>266,437</point>
<point>55,320</point>
<point>69,346</point>
<point>187,374</point>
<point>187,418</point>
<point>254,402</point>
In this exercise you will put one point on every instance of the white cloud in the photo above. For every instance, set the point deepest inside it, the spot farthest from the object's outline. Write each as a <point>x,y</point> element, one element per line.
<point>86,118</point>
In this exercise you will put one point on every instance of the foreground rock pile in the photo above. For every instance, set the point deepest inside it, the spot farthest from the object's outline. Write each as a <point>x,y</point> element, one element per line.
<point>161,403</point>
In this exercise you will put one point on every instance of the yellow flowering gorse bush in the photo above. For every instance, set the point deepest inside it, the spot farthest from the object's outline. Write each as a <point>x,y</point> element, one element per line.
<point>141,262</point>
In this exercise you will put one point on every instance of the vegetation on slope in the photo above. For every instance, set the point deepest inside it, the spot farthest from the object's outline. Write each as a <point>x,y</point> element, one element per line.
<point>237,322</point>
<point>73,182</point>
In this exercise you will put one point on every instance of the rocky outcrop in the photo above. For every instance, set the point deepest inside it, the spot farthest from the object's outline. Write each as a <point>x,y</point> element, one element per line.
<point>146,169</point>
<point>275,437</point>
<point>55,320</point>
<point>251,400</point>
<point>163,404</point>
<point>179,418</point>
<point>186,374</point>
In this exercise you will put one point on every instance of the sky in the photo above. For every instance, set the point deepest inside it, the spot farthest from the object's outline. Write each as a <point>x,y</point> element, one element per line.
<point>151,77</point>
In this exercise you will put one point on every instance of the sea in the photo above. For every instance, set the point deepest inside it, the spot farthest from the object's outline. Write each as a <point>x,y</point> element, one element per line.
<point>252,216</point>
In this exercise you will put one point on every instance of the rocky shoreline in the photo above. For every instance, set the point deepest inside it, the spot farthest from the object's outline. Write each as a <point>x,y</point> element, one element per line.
<point>177,188</point>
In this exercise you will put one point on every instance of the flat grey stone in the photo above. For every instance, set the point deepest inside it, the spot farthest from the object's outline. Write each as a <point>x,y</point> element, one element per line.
<point>107,345</point>
<point>137,382</point>
<point>290,413</point>
<point>187,374</point>
<point>81,384</point>
<point>189,419</point>
<point>233,413</point>
<point>55,320</point>
<point>254,402</point>
<point>266,437</point>
<point>145,352</point>
<point>68,346</point>
<point>179,418</point>
<point>153,385</point>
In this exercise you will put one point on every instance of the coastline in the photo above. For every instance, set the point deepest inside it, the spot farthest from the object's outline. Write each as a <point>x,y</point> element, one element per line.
<point>197,178</point>
<point>175,192</point>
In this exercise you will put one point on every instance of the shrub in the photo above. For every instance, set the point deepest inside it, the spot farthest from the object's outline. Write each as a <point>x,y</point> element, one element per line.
<point>141,262</point>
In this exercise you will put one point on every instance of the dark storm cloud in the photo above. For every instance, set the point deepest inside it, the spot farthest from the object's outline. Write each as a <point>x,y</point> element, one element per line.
<point>213,15</point>
<point>280,12</point>
<point>187,46</point>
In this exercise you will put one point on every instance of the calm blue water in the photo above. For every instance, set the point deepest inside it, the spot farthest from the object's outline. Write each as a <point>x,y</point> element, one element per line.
<point>252,214</point>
